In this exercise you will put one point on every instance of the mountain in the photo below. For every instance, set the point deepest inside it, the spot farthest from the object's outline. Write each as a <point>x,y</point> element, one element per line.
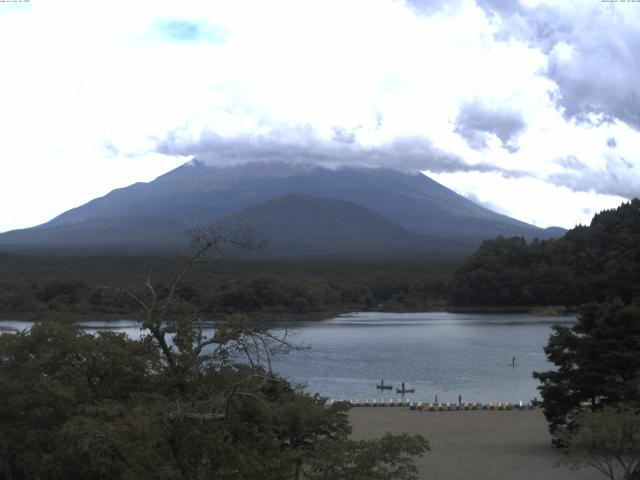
<point>349,206</point>
<point>299,223</point>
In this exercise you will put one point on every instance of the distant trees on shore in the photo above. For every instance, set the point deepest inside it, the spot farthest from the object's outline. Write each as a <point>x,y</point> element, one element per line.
<point>590,263</point>
<point>38,287</point>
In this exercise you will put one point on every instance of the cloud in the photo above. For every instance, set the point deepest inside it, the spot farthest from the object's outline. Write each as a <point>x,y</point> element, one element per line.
<point>302,145</point>
<point>343,135</point>
<point>475,121</point>
<point>455,86</point>
<point>617,177</point>
<point>572,163</point>
<point>495,207</point>
<point>595,74</point>
<point>429,7</point>
<point>181,30</point>
<point>111,149</point>
<point>592,53</point>
<point>500,6</point>
<point>529,199</point>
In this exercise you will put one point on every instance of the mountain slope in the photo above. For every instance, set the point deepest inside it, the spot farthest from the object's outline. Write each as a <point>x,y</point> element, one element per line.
<point>102,233</point>
<point>302,223</point>
<point>589,263</point>
<point>199,194</point>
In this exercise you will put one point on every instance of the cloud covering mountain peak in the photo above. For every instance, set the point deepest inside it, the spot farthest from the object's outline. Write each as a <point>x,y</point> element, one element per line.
<point>469,90</point>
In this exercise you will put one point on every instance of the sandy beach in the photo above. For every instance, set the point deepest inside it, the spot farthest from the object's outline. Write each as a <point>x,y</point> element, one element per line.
<point>474,445</point>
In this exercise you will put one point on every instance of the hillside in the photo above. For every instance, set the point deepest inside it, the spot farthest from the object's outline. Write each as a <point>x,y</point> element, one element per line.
<point>157,214</point>
<point>302,223</point>
<point>590,263</point>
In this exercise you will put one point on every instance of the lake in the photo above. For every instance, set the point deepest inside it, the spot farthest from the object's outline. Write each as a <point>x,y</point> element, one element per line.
<point>437,353</point>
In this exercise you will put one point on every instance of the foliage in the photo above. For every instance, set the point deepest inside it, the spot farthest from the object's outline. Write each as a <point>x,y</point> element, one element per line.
<point>48,286</point>
<point>609,441</point>
<point>588,264</point>
<point>180,403</point>
<point>597,360</point>
<point>382,459</point>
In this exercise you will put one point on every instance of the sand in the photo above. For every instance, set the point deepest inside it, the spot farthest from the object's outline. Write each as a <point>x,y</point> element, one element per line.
<point>478,445</point>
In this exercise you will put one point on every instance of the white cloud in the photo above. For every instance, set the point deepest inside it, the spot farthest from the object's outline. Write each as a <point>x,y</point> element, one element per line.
<point>94,88</point>
<point>529,199</point>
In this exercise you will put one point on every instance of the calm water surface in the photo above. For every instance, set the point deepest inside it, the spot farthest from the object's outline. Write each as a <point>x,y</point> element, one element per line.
<point>436,353</point>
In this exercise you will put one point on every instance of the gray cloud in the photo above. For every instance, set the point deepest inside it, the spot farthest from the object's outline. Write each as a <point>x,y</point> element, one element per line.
<point>428,7</point>
<point>475,121</point>
<point>302,146</point>
<point>570,162</point>
<point>618,177</point>
<point>343,135</point>
<point>502,7</point>
<point>598,81</point>
<point>601,76</point>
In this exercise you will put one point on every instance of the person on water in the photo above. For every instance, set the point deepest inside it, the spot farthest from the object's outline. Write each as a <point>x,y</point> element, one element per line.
<point>513,362</point>
<point>403,386</point>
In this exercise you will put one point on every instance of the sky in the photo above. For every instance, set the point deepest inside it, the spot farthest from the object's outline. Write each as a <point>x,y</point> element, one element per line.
<point>528,107</point>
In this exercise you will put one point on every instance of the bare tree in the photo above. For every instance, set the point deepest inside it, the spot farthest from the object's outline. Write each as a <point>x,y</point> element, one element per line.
<point>181,338</point>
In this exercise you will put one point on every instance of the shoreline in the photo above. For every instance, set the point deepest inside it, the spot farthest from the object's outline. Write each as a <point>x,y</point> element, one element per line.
<point>274,317</point>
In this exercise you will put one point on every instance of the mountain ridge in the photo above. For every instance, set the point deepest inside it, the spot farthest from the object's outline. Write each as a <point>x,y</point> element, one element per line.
<point>196,193</point>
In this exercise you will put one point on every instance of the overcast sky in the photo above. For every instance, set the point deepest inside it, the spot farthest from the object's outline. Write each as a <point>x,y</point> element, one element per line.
<point>531,108</point>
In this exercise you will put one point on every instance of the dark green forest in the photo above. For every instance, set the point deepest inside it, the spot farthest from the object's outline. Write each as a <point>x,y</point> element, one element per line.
<point>50,286</point>
<point>590,263</point>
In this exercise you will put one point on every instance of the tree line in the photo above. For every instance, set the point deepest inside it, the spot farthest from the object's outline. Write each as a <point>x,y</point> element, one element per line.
<point>590,263</point>
<point>38,287</point>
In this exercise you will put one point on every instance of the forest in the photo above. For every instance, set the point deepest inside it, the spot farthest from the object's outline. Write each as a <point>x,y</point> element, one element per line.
<point>38,287</point>
<point>590,263</point>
